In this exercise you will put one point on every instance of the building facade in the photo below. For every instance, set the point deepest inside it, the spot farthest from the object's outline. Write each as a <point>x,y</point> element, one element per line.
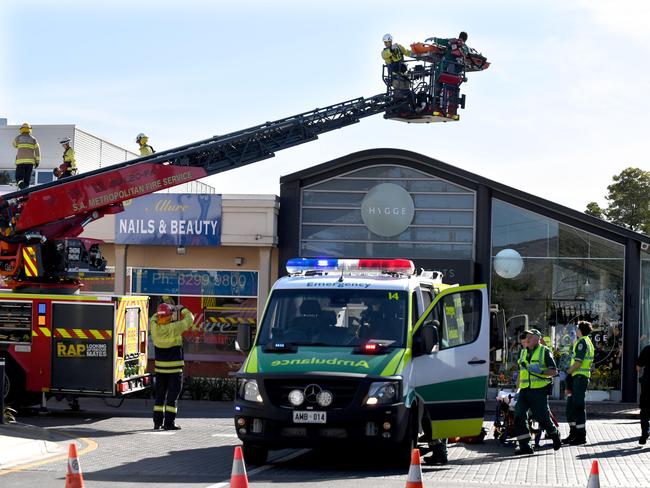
<point>547,266</point>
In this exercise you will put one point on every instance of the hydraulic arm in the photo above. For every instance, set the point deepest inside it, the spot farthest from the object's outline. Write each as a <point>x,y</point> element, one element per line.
<point>39,226</point>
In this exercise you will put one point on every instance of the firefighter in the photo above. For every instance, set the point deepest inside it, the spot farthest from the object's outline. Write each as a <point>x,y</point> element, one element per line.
<point>69,166</point>
<point>145,149</point>
<point>393,55</point>
<point>168,344</point>
<point>579,373</point>
<point>535,372</point>
<point>28,155</point>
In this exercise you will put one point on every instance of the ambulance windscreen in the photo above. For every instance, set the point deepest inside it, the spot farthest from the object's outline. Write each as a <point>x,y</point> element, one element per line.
<point>335,318</point>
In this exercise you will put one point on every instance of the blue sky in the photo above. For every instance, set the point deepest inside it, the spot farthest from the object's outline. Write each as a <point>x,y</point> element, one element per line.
<point>560,111</point>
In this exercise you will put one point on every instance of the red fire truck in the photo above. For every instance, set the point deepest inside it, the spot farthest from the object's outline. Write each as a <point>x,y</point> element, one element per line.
<point>57,341</point>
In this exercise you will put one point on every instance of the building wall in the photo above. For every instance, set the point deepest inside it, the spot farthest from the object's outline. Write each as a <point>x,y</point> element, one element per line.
<point>557,245</point>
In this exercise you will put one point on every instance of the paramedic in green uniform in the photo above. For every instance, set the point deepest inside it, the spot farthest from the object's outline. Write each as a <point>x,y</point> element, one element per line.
<point>535,372</point>
<point>580,372</point>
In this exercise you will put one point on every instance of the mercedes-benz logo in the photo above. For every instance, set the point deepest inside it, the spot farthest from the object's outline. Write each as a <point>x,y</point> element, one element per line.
<point>311,393</point>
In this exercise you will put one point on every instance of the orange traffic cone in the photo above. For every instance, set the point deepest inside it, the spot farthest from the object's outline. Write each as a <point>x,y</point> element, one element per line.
<point>74,478</point>
<point>414,478</point>
<point>593,482</point>
<point>238,478</point>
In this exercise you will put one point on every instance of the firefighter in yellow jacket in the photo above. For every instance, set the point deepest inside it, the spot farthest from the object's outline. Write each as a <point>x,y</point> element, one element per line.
<point>69,165</point>
<point>28,155</point>
<point>168,344</point>
<point>145,148</point>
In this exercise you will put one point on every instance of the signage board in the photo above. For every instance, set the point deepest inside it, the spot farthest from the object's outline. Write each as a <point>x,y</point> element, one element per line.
<point>170,219</point>
<point>152,281</point>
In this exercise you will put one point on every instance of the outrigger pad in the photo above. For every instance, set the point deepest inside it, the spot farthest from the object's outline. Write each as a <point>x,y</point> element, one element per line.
<point>422,118</point>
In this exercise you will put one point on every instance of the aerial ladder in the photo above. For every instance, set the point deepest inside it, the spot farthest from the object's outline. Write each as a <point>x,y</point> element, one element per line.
<point>40,247</point>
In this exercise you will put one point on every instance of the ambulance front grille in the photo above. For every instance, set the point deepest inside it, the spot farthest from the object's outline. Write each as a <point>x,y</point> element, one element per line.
<point>343,391</point>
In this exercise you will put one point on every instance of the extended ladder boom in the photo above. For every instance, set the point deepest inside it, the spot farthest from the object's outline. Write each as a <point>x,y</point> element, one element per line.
<point>39,224</point>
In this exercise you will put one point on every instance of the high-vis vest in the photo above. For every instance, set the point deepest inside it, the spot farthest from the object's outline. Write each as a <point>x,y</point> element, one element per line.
<point>68,158</point>
<point>168,342</point>
<point>146,150</point>
<point>28,150</point>
<point>394,54</point>
<point>585,365</point>
<point>532,380</point>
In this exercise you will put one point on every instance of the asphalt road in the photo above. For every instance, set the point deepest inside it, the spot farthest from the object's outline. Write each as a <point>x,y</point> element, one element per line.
<point>118,448</point>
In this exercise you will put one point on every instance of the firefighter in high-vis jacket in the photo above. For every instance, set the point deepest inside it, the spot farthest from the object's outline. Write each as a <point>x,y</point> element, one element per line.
<point>579,372</point>
<point>168,343</point>
<point>536,368</point>
<point>143,142</point>
<point>69,165</point>
<point>28,155</point>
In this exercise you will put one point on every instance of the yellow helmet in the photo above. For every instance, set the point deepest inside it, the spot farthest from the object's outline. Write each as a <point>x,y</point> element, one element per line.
<point>25,128</point>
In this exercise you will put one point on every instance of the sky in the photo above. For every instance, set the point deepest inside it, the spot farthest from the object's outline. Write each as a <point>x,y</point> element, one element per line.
<point>562,108</point>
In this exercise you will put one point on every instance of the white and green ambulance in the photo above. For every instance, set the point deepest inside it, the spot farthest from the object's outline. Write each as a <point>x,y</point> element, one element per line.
<point>363,351</point>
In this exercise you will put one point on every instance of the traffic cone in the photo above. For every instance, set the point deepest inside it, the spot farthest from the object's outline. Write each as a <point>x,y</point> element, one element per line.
<point>74,478</point>
<point>593,482</point>
<point>414,478</point>
<point>238,478</point>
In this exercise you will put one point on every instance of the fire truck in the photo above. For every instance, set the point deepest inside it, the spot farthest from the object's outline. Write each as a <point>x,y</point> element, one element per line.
<point>57,341</point>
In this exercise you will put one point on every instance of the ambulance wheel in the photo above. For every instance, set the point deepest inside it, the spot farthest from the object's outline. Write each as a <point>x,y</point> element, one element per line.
<point>255,455</point>
<point>405,448</point>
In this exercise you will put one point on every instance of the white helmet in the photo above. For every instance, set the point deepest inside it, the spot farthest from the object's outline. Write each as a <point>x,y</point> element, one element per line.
<point>388,38</point>
<point>139,136</point>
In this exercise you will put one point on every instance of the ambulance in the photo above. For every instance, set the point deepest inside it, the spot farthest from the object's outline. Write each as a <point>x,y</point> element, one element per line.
<point>362,351</point>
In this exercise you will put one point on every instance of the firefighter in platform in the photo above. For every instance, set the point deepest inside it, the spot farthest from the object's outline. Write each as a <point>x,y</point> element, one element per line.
<point>453,62</point>
<point>69,165</point>
<point>579,371</point>
<point>536,370</point>
<point>28,155</point>
<point>145,148</point>
<point>168,343</point>
<point>393,55</point>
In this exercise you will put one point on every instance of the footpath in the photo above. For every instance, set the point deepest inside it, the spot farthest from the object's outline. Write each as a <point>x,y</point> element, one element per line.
<point>22,443</point>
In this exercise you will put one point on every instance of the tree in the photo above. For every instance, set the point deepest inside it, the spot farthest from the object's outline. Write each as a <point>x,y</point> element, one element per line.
<point>594,210</point>
<point>628,201</point>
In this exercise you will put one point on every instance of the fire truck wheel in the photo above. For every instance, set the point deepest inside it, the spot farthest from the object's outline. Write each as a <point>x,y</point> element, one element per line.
<point>255,455</point>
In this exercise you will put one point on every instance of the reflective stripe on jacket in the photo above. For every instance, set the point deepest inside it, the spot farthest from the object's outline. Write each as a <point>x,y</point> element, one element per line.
<point>28,150</point>
<point>394,54</point>
<point>585,365</point>
<point>532,380</point>
<point>68,158</point>
<point>168,342</point>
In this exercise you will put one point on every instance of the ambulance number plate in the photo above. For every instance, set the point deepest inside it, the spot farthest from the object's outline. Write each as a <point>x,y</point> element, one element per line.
<point>307,417</point>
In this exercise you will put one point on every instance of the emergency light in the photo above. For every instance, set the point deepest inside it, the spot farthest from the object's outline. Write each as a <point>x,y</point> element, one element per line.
<point>360,266</point>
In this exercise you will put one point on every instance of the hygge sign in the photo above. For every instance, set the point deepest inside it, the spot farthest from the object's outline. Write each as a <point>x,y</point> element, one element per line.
<point>170,220</point>
<point>387,210</point>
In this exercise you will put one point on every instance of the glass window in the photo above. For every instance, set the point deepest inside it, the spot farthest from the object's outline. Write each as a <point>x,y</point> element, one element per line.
<point>335,318</point>
<point>457,317</point>
<point>644,339</point>
<point>442,223</point>
<point>566,275</point>
<point>44,177</point>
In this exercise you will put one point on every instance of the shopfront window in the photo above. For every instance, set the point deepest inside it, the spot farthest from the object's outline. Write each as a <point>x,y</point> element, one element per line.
<point>220,300</point>
<point>548,275</point>
<point>644,339</point>
<point>387,211</point>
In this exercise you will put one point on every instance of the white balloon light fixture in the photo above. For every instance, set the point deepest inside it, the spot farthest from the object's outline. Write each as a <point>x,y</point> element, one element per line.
<point>508,263</point>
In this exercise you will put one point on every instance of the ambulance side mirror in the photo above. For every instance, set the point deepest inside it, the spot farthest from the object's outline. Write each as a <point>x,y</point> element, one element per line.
<point>425,340</point>
<point>243,341</point>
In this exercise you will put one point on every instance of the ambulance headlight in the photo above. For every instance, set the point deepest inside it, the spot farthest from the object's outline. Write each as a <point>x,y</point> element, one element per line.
<point>382,393</point>
<point>249,391</point>
<point>296,398</point>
